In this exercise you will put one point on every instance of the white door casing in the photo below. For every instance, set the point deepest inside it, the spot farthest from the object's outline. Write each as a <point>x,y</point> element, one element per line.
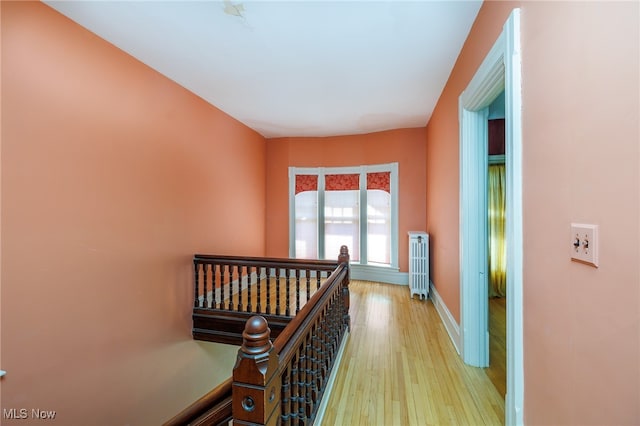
<point>501,69</point>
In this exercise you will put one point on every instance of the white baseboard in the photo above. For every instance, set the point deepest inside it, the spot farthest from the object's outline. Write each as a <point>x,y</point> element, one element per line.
<point>449,322</point>
<point>332,378</point>
<point>379,274</point>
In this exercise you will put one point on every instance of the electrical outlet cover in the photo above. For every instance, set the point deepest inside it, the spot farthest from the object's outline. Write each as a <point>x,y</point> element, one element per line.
<point>584,243</point>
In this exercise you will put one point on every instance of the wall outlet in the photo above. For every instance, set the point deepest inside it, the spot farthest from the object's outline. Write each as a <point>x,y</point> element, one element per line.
<point>584,243</point>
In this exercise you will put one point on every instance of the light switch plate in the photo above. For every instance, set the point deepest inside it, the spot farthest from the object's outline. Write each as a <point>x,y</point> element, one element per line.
<point>584,243</point>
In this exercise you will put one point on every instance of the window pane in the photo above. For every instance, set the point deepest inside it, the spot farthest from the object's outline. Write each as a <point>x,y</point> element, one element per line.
<point>342,223</point>
<point>378,227</point>
<point>306,231</point>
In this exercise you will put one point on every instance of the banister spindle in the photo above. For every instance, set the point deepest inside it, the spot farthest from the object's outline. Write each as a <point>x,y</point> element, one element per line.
<point>268,277</point>
<point>285,407</point>
<point>223,287</point>
<point>249,307</point>
<point>230,282</point>
<point>311,373</point>
<point>205,269</point>
<point>297,290</point>
<point>277,291</point>
<point>196,273</point>
<point>287,274</point>
<point>304,389</point>
<point>332,333</point>
<point>239,288</point>
<point>295,386</point>
<point>308,286</point>
<point>214,290</point>
<point>323,346</point>
<point>344,258</point>
<point>256,384</point>
<point>259,296</point>
<point>212,301</point>
<point>316,380</point>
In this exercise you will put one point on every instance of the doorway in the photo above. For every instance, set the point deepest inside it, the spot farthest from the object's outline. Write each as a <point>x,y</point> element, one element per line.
<point>496,214</point>
<point>499,71</point>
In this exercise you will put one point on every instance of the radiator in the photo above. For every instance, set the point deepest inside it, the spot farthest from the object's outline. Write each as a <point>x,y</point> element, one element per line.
<point>419,263</point>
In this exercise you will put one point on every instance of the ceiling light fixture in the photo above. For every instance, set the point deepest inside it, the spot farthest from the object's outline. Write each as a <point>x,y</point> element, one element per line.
<point>233,9</point>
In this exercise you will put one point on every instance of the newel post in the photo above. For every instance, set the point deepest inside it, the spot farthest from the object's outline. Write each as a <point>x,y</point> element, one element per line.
<point>344,258</point>
<point>256,384</point>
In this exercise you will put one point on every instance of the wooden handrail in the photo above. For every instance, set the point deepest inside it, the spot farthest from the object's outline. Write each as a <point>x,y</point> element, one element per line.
<point>214,408</point>
<point>324,265</point>
<point>265,371</point>
<point>284,382</point>
<point>230,283</point>
<point>301,321</point>
<point>291,335</point>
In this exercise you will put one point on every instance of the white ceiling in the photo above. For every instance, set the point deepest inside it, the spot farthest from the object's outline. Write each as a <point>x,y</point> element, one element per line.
<point>295,68</point>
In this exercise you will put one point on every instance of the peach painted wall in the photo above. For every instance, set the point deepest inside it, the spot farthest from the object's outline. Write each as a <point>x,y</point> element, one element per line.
<point>443,171</point>
<point>112,177</point>
<point>581,163</point>
<point>581,103</point>
<point>405,146</point>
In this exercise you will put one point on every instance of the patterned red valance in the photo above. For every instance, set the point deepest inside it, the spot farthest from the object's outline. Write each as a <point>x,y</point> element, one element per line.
<point>306,183</point>
<point>380,181</point>
<point>342,182</point>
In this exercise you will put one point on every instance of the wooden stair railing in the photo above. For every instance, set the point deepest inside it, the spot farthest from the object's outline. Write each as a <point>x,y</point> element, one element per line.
<point>282,382</point>
<point>228,290</point>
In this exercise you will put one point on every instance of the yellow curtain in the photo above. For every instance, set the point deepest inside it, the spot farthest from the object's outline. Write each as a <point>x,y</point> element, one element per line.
<point>497,242</point>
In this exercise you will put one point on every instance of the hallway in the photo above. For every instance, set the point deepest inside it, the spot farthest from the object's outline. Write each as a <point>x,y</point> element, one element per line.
<point>400,367</point>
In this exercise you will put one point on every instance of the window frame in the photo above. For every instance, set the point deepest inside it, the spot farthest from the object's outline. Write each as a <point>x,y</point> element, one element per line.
<point>362,170</point>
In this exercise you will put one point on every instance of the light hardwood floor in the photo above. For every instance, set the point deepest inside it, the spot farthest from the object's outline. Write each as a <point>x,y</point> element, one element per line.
<point>400,367</point>
<point>497,370</point>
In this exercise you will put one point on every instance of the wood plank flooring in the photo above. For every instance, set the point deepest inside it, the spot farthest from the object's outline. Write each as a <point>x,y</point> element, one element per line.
<point>400,367</point>
<point>497,370</point>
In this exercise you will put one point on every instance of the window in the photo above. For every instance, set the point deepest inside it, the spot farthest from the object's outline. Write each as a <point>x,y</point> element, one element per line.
<point>352,206</point>
<point>306,217</point>
<point>379,218</point>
